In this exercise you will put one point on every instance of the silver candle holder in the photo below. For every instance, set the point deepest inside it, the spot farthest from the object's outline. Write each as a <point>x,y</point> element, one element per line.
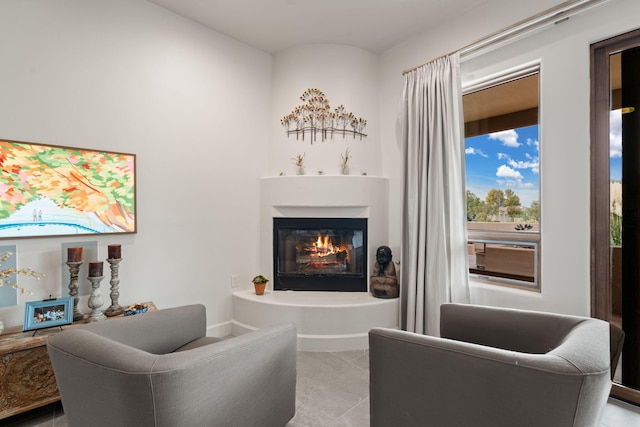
<point>115,309</point>
<point>95,300</point>
<point>74,268</point>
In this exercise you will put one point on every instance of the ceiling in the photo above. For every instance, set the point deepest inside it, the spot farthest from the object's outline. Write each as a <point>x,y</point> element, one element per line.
<point>274,25</point>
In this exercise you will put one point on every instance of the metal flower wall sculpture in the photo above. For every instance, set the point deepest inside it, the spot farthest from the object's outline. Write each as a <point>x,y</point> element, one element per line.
<point>7,274</point>
<point>315,116</point>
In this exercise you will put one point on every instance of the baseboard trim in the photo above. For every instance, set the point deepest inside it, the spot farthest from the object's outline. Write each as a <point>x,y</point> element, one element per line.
<point>220,330</point>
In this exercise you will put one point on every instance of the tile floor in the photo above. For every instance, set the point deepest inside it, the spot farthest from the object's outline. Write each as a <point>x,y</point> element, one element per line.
<point>332,391</point>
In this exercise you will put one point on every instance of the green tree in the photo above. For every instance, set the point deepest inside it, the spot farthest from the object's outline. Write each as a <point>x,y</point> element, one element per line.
<point>512,202</point>
<point>495,200</point>
<point>484,212</point>
<point>473,202</point>
<point>514,211</point>
<point>533,212</point>
<point>511,198</point>
<point>615,225</point>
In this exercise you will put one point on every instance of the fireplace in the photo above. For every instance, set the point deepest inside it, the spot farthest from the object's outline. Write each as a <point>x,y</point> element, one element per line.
<point>320,254</point>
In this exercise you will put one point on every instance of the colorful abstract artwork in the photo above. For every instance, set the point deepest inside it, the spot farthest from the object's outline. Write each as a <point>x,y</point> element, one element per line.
<point>50,190</point>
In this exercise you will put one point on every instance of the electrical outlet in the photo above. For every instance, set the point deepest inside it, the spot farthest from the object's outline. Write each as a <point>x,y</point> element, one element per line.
<point>234,280</point>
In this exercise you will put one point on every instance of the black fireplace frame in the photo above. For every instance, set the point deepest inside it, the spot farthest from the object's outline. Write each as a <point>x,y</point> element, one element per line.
<point>344,282</point>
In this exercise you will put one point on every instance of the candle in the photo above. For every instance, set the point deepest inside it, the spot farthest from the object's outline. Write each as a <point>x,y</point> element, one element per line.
<point>74,254</point>
<point>115,251</point>
<point>95,269</point>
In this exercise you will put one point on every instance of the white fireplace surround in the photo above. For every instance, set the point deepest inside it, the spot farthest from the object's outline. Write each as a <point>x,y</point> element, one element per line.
<point>351,314</point>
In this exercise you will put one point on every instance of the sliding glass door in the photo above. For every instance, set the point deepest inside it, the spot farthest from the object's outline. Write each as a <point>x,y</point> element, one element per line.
<point>615,196</point>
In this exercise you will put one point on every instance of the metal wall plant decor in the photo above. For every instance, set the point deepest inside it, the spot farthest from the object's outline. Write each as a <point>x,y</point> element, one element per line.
<point>316,116</point>
<point>48,190</point>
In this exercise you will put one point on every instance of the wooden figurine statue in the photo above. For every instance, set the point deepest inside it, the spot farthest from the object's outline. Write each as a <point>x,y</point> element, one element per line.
<point>384,282</point>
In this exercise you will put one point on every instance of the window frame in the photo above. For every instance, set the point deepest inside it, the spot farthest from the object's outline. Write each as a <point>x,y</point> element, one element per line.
<point>525,238</point>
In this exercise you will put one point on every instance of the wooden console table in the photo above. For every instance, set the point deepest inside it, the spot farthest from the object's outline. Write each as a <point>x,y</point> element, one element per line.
<point>26,375</point>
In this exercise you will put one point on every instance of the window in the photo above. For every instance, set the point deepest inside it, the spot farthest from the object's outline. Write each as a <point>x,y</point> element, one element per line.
<point>502,179</point>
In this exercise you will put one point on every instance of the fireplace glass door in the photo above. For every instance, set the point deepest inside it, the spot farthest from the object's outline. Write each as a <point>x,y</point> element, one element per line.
<point>320,254</point>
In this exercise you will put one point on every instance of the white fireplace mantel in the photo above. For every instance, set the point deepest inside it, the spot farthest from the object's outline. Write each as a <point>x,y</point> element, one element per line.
<point>324,196</point>
<point>326,321</point>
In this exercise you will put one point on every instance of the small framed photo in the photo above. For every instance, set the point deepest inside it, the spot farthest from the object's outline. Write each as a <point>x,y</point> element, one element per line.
<point>48,313</point>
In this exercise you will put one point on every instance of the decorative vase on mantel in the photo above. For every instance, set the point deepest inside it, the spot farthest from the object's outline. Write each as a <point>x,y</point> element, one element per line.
<point>259,284</point>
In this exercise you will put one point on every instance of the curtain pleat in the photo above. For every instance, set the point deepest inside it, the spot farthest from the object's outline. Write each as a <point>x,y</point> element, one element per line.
<point>434,249</point>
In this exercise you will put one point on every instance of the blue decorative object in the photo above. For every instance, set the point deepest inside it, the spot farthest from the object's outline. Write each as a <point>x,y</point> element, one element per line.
<point>48,313</point>
<point>136,309</point>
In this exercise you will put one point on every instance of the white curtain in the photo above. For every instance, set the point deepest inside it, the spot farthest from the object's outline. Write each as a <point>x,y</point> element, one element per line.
<point>434,249</point>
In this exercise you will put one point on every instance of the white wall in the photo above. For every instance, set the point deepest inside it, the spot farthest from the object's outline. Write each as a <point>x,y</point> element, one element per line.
<point>192,105</point>
<point>346,75</point>
<point>202,112</point>
<point>563,50</point>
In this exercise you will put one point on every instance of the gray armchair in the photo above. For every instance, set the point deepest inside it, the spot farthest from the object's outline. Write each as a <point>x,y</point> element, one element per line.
<point>159,369</point>
<point>492,367</point>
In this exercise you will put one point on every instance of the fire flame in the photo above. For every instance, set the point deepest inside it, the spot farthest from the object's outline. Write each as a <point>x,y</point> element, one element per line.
<point>323,246</point>
<point>322,252</point>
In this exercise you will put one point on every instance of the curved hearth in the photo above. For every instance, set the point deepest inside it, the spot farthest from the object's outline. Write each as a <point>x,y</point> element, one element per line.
<point>326,321</point>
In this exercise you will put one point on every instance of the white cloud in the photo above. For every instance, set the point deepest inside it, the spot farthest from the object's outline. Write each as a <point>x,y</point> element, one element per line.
<point>533,164</point>
<point>472,150</point>
<point>505,171</point>
<point>509,138</point>
<point>615,133</point>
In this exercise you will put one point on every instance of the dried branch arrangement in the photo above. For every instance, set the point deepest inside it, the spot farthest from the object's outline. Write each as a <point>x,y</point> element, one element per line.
<point>6,274</point>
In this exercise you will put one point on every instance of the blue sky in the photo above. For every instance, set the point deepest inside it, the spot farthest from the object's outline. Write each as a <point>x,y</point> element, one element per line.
<point>615,145</point>
<point>506,159</point>
<point>509,159</point>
